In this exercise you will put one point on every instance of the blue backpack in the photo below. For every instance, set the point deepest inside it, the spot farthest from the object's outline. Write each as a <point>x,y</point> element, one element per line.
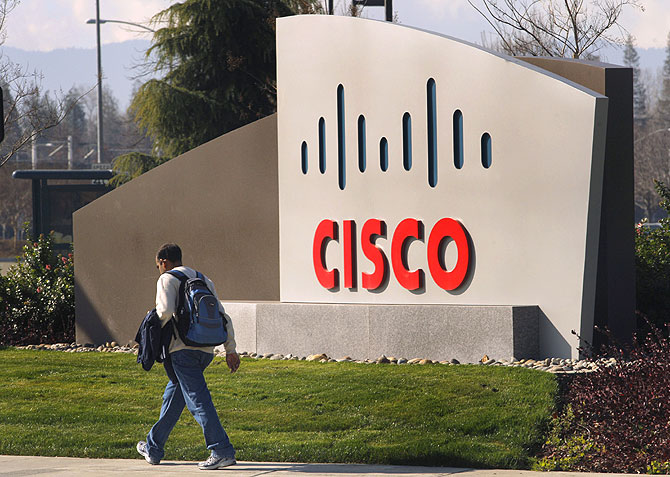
<point>199,321</point>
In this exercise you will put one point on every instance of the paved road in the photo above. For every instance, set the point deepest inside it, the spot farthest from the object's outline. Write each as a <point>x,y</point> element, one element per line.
<point>19,466</point>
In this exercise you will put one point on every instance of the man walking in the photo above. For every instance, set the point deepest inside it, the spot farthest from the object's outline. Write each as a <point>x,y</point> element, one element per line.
<point>184,367</point>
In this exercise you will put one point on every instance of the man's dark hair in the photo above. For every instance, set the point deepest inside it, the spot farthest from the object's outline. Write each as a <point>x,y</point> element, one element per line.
<point>169,251</point>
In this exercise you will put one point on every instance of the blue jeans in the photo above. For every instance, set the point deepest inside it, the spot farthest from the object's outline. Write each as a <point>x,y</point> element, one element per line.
<point>187,386</point>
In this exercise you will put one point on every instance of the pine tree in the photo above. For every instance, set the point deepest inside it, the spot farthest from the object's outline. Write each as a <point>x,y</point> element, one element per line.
<point>632,60</point>
<point>663,109</point>
<point>218,60</point>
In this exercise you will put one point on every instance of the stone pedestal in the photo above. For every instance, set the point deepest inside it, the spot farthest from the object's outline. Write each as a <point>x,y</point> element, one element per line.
<point>436,332</point>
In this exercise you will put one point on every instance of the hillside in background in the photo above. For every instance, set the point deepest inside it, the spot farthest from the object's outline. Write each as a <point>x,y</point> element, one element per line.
<point>650,58</point>
<point>63,68</point>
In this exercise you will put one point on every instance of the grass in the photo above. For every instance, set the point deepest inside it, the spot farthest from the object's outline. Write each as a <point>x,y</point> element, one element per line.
<point>100,405</point>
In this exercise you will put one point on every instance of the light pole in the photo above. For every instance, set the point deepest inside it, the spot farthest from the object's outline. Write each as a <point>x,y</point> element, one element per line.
<point>387,4</point>
<point>97,35</point>
<point>97,21</point>
<point>92,21</point>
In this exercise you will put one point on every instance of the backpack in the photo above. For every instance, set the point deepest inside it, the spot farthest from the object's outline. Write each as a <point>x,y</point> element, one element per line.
<point>199,320</point>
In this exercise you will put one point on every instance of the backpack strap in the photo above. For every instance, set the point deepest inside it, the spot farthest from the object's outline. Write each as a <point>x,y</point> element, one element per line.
<point>177,274</point>
<point>181,276</point>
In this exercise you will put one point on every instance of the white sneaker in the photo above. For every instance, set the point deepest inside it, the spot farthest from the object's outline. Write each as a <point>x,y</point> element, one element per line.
<point>216,463</point>
<point>142,449</point>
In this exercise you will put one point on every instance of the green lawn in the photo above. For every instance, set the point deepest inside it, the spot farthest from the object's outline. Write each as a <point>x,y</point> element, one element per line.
<point>100,405</point>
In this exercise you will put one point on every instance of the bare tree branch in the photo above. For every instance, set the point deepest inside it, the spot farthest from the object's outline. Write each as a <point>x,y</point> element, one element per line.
<point>25,116</point>
<point>575,28</point>
<point>38,119</point>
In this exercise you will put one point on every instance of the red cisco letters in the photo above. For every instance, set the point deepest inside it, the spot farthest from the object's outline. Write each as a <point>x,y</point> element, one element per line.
<point>407,229</point>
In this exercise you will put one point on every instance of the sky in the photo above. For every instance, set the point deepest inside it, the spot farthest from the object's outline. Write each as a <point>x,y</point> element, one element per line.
<point>49,24</point>
<point>45,25</point>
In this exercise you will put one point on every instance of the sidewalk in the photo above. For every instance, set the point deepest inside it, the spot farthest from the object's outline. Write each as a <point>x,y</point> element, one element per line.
<point>20,466</point>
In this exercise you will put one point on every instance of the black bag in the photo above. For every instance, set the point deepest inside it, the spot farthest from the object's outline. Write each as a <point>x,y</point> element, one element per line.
<point>153,339</point>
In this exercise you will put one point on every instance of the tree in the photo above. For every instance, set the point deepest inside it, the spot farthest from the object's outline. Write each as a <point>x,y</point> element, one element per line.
<point>652,260</point>
<point>562,28</point>
<point>632,60</point>
<point>652,163</point>
<point>74,124</point>
<point>24,113</point>
<point>218,65</point>
<point>663,106</point>
<point>15,204</point>
<point>652,148</point>
<point>131,165</point>
<point>649,148</point>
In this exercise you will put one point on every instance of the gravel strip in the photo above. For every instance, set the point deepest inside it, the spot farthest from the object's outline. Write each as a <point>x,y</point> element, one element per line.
<point>551,365</point>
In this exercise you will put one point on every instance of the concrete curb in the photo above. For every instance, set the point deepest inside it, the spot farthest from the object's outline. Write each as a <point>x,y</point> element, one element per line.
<point>74,467</point>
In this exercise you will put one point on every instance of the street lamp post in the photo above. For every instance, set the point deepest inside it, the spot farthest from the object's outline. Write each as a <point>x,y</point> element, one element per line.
<point>387,4</point>
<point>97,34</point>
<point>97,21</point>
<point>92,21</point>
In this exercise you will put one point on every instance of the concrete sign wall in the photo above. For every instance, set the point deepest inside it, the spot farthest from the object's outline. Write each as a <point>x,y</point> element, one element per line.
<point>415,196</point>
<point>425,170</point>
<point>217,201</point>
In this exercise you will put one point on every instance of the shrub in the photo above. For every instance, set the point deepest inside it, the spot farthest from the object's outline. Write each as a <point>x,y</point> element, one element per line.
<point>652,265</point>
<point>37,296</point>
<point>616,419</point>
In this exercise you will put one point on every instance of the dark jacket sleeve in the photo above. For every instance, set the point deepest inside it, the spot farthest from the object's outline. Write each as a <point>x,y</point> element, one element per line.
<point>151,340</point>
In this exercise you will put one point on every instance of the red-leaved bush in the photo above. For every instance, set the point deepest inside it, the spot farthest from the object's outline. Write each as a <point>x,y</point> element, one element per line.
<point>617,419</point>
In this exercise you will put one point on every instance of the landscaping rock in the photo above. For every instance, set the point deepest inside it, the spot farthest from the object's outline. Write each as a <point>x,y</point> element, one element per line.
<point>551,365</point>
